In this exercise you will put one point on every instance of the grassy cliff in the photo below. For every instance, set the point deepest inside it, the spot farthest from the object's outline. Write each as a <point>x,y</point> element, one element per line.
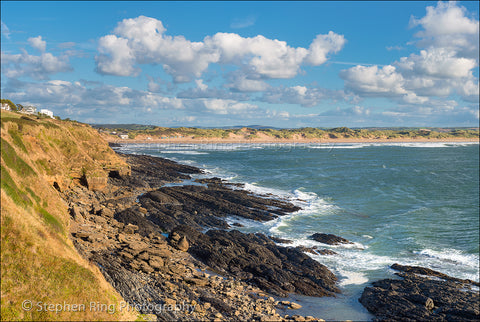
<point>39,158</point>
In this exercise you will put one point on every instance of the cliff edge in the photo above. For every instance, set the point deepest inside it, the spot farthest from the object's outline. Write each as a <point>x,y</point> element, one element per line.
<point>42,275</point>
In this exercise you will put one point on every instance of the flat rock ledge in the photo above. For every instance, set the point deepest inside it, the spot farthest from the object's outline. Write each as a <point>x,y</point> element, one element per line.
<point>422,294</point>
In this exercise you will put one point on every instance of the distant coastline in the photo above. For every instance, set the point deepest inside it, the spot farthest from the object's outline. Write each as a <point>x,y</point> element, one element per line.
<point>286,141</point>
<point>155,134</point>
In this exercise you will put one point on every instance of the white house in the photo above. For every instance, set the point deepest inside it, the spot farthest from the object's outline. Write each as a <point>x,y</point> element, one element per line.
<point>123,136</point>
<point>46,112</point>
<point>6,107</point>
<point>29,110</point>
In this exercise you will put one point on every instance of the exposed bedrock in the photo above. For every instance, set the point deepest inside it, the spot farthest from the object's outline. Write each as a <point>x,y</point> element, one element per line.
<point>329,239</point>
<point>422,294</point>
<point>199,206</point>
<point>185,211</point>
<point>257,259</point>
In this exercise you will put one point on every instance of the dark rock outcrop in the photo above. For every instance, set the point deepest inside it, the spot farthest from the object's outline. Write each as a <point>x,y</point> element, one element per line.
<point>152,172</point>
<point>199,206</point>
<point>422,294</point>
<point>257,259</point>
<point>329,239</point>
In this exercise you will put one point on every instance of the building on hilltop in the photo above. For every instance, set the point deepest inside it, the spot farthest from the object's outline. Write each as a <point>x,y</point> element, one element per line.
<point>6,107</point>
<point>46,112</point>
<point>29,110</point>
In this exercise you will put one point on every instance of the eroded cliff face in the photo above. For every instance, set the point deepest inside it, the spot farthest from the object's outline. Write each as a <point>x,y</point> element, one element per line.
<point>40,158</point>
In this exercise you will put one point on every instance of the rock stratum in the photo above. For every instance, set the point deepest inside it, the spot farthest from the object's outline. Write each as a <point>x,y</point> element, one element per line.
<point>422,294</point>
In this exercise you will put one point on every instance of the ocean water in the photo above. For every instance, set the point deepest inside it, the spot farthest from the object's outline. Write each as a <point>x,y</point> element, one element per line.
<point>406,203</point>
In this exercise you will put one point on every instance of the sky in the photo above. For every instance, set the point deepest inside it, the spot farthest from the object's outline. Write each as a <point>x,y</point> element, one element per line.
<point>285,64</point>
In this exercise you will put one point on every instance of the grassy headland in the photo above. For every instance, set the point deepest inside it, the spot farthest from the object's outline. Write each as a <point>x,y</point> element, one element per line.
<point>147,133</point>
<point>39,263</point>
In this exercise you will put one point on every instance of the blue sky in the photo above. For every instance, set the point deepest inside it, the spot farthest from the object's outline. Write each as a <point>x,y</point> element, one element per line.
<point>284,64</point>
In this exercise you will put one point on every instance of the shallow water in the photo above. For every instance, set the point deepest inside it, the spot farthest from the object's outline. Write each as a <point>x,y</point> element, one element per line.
<point>407,203</point>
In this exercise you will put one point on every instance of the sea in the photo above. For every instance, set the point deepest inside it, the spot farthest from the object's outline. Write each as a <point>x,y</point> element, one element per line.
<point>406,203</point>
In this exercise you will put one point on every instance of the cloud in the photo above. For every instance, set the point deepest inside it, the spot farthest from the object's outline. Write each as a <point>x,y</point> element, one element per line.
<point>202,90</point>
<point>153,86</point>
<point>390,48</point>
<point>142,40</point>
<point>93,97</point>
<point>301,95</point>
<point>36,67</point>
<point>437,62</point>
<point>240,23</point>
<point>115,57</point>
<point>86,95</point>
<point>447,26</point>
<point>323,45</point>
<point>5,30</point>
<point>37,43</point>
<point>374,81</point>
<point>241,83</point>
<point>230,107</point>
<point>445,67</point>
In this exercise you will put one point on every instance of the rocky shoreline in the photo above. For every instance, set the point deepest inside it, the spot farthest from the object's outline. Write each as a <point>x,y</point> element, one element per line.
<point>169,251</point>
<point>148,241</point>
<point>422,294</point>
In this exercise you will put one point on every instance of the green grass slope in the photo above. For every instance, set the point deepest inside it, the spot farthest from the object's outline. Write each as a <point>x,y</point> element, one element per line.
<point>39,264</point>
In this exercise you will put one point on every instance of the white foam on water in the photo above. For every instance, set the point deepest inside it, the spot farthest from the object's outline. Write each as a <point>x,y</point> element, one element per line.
<point>182,152</point>
<point>338,146</point>
<point>448,261</point>
<point>350,277</point>
<point>356,261</point>
<point>452,256</point>
<point>264,191</point>
<point>397,144</point>
<point>425,144</point>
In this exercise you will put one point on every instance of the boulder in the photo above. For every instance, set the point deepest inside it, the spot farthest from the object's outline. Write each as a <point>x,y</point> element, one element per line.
<point>178,241</point>
<point>76,213</point>
<point>96,181</point>
<point>106,212</point>
<point>130,229</point>
<point>325,252</point>
<point>295,306</point>
<point>156,262</point>
<point>329,239</point>
<point>183,244</point>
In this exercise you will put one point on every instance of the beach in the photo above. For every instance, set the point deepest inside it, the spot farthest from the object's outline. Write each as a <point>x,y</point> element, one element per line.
<point>269,140</point>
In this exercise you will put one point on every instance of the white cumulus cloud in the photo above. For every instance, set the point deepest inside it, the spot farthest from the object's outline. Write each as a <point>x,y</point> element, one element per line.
<point>37,67</point>
<point>374,81</point>
<point>443,68</point>
<point>38,43</point>
<point>448,26</point>
<point>143,40</point>
<point>220,106</point>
